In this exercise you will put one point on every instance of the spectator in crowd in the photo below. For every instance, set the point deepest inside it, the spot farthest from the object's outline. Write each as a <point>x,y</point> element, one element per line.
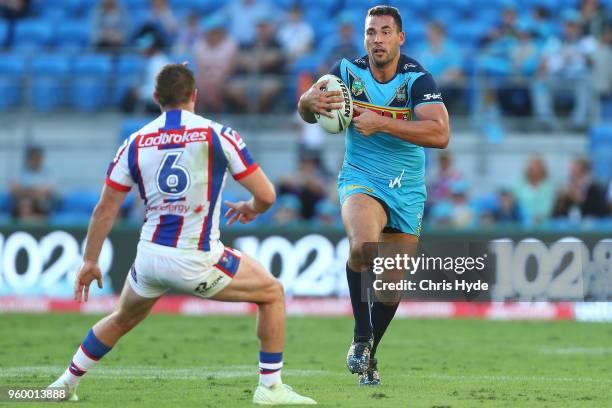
<point>439,187</point>
<point>150,44</point>
<point>110,25</point>
<point>582,196</point>
<point>309,184</point>
<point>327,214</point>
<point>215,53</point>
<point>188,34</point>
<point>33,192</point>
<point>243,16</point>
<point>11,11</point>
<point>534,192</point>
<point>287,210</point>
<point>507,210</point>
<point>602,65</point>
<point>507,24</point>
<point>456,211</point>
<point>541,23</point>
<point>592,18</point>
<point>343,45</point>
<point>162,17</point>
<point>441,57</point>
<point>566,63</point>
<point>260,67</point>
<point>295,35</point>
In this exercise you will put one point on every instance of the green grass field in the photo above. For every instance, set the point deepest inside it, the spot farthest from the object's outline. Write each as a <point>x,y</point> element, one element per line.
<point>212,362</point>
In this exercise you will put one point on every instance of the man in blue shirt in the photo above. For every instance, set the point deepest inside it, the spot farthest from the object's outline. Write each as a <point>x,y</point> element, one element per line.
<point>398,111</point>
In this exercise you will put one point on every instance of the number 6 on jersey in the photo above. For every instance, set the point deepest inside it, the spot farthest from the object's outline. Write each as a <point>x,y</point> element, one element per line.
<point>172,178</point>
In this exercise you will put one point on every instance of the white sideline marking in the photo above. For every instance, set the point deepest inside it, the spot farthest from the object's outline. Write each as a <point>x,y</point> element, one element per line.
<point>467,378</point>
<point>576,350</point>
<point>152,373</point>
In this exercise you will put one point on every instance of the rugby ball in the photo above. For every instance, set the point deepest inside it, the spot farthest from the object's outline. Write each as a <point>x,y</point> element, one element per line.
<point>341,117</point>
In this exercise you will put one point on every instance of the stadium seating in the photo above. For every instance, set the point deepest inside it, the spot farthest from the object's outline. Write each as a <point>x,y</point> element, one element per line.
<point>33,34</point>
<point>72,35</point>
<point>48,81</point>
<point>600,151</point>
<point>11,70</point>
<point>129,72</point>
<point>91,82</point>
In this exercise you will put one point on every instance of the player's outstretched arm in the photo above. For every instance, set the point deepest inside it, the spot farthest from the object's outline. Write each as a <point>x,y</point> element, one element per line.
<point>99,226</point>
<point>263,198</point>
<point>431,130</point>
<point>315,100</point>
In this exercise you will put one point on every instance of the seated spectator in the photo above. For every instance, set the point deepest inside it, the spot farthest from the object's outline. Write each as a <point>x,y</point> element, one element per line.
<point>341,46</point>
<point>188,34</point>
<point>309,184</point>
<point>455,211</point>
<point>260,67</point>
<point>593,17</point>
<point>565,66</point>
<point>507,210</point>
<point>542,25</point>
<point>214,53</point>
<point>162,17</point>
<point>33,192</point>
<point>287,210</point>
<point>441,57</point>
<point>141,98</point>
<point>582,196</point>
<point>295,35</point>
<point>602,67</point>
<point>110,26</point>
<point>439,186</point>
<point>243,16</point>
<point>535,193</point>
<point>12,11</point>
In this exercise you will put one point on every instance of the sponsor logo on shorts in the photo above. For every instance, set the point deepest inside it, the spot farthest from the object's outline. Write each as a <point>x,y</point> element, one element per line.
<point>204,287</point>
<point>133,273</point>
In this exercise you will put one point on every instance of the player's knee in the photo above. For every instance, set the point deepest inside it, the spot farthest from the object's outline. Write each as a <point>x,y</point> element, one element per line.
<point>274,291</point>
<point>357,255</point>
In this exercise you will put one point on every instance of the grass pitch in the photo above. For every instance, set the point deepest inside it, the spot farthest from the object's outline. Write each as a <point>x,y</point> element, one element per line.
<point>211,361</point>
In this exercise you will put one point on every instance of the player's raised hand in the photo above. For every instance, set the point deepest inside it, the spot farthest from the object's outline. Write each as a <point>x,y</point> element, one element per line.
<point>365,121</point>
<point>317,100</point>
<point>87,273</point>
<point>242,211</point>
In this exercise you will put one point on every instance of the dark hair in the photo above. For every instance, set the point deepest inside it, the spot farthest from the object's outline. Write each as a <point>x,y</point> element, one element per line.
<point>387,11</point>
<point>174,85</point>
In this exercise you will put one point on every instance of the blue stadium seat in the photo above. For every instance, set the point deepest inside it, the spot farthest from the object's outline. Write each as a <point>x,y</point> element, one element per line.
<point>3,32</point>
<point>49,75</point>
<point>73,35</point>
<point>601,151</point>
<point>68,219</point>
<point>6,202</point>
<point>91,82</point>
<point>12,68</point>
<point>468,33</point>
<point>132,125</point>
<point>129,72</point>
<point>33,34</point>
<point>79,202</point>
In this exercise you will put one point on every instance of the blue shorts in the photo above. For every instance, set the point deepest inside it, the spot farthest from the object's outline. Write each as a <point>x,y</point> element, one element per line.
<point>403,200</point>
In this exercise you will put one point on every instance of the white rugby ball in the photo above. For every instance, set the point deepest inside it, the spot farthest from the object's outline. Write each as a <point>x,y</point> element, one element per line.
<point>341,117</point>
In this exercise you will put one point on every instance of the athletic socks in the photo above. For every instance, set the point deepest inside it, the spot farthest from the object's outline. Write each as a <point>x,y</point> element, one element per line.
<point>361,309</point>
<point>270,365</point>
<point>381,317</point>
<point>89,352</point>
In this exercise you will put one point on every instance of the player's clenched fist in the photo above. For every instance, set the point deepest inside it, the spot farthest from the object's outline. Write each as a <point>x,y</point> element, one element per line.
<point>365,121</point>
<point>317,100</point>
<point>87,273</point>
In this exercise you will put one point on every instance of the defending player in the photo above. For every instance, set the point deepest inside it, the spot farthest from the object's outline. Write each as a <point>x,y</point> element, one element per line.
<point>383,170</point>
<point>179,163</point>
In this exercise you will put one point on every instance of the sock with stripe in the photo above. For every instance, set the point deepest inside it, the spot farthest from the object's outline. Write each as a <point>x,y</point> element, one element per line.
<point>89,353</point>
<point>361,309</point>
<point>270,365</point>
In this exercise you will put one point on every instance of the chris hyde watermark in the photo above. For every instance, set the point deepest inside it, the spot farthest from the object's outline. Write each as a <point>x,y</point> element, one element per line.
<point>429,285</point>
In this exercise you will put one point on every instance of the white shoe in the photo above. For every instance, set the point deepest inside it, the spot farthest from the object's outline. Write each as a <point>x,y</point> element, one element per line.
<point>70,391</point>
<point>280,394</point>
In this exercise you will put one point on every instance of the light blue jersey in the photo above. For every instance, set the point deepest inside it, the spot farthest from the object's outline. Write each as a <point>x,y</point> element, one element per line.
<point>381,165</point>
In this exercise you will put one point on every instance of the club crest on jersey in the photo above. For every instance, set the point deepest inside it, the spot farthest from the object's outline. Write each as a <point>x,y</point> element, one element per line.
<point>400,94</point>
<point>357,87</point>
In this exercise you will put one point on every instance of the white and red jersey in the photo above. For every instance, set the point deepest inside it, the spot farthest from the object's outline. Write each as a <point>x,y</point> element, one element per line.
<point>179,162</point>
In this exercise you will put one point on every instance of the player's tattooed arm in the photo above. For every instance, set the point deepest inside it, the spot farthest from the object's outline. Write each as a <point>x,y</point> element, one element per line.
<point>431,130</point>
<point>316,100</point>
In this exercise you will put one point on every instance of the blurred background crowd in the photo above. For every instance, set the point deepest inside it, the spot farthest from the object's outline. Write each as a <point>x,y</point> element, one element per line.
<point>528,67</point>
